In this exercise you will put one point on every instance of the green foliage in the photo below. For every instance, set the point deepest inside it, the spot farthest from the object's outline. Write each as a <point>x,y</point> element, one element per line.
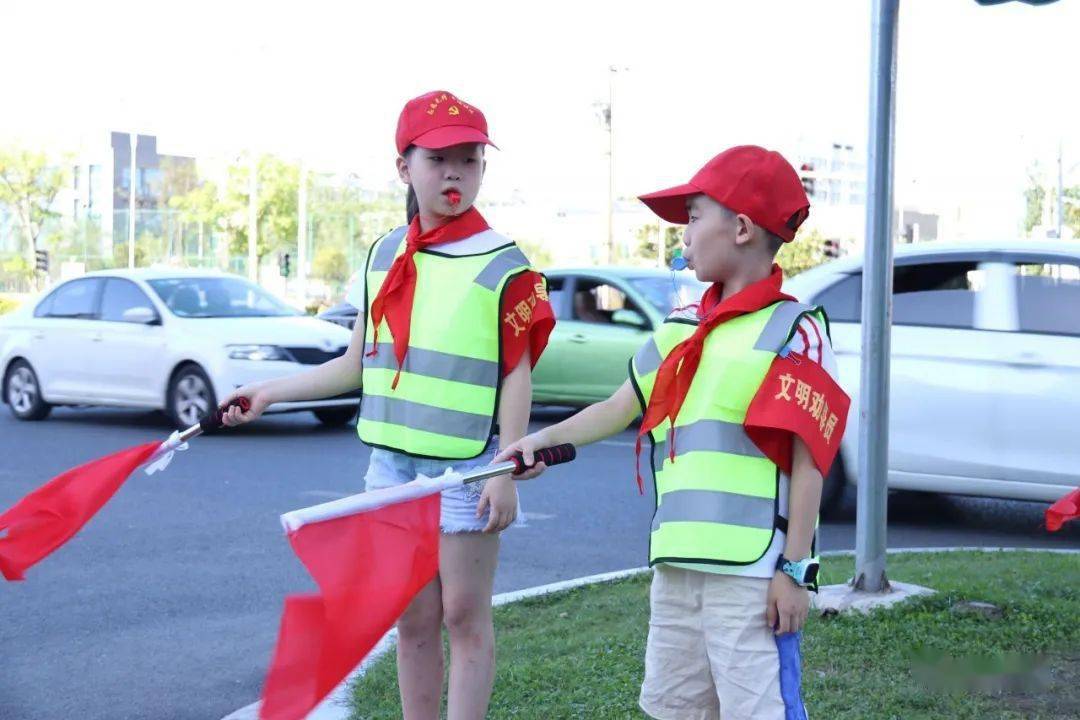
<point>646,238</point>
<point>28,186</point>
<point>332,265</point>
<point>278,183</point>
<point>805,252</point>
<point>1034,197</point>
<point>579,654</point>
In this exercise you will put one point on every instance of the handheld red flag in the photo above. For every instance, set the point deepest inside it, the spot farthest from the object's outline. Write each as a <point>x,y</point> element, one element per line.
<point>370,554</point>
<point>48,517</point>
<point>368,567</point>
<point>1064,510</point>
<point>51,515</point>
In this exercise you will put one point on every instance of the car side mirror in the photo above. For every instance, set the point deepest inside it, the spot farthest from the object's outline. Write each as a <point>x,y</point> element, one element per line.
<point>141,315</point>
<point>631,318</point>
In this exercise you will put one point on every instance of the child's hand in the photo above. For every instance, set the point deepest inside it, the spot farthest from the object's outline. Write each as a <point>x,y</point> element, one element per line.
<point>501,495</point>
<point>787,605</point>
<point>527,446</point>
<point>258,398</point>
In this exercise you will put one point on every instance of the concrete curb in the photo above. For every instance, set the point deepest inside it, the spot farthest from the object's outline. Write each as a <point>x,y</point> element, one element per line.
<point>335,707</point>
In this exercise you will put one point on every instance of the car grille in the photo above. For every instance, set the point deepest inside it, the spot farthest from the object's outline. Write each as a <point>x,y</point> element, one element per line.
<point>314,356</point>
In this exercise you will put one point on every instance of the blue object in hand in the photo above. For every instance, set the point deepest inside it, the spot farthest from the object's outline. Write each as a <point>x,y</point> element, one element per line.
<point>787,646</point>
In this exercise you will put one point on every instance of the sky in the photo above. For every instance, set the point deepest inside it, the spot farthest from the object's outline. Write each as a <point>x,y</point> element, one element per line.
<point>982,92</point>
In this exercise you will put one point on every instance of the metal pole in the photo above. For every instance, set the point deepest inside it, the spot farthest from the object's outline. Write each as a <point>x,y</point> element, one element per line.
<point>1060,193</point>
<point>133,141</point>
<point>302,233</point>
<point>253,219</point>
<point>611,165</point>
<point>871,518</point>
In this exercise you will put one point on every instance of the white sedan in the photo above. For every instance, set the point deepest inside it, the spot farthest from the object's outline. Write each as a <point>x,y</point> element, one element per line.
<point>985,394</point>
<point>171,340</point>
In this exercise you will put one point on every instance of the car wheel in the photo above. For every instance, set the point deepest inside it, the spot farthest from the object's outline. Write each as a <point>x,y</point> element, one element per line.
<point>23,392</point>
<point>834,489</point>
<point>190,397</point>
<point>334,417</point>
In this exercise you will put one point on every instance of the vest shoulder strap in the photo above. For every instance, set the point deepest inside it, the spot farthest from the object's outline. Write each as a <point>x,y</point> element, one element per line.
<point>385,249</point>
<point>782,325</point>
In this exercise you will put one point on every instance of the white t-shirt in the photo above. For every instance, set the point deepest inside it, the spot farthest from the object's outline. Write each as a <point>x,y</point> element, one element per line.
<point>357,294</point>
<point>811,341</point>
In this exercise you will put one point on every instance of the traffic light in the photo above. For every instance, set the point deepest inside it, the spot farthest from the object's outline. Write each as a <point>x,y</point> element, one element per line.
<point>806,171</point>
<point>283,264</point>
<point>832,248</point>
<point>41,260</point>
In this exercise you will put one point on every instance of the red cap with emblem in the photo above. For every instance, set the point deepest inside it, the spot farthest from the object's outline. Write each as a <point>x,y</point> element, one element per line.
<point>745,179</point>
<point>440,119</point>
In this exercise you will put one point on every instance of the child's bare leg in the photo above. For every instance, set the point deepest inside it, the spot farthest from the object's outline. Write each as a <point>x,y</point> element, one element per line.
<point>467,568</point>
<point>420,655</point>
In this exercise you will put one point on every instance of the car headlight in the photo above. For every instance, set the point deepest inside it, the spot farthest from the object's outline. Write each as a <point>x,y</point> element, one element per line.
<point>257,352</point>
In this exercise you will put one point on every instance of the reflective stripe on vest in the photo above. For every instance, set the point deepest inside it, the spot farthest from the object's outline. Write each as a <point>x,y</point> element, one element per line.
<point>445,402</point>
<point>717,503</point>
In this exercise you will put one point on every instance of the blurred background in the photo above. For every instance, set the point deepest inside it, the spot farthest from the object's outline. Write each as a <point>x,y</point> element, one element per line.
<point>187,191</point>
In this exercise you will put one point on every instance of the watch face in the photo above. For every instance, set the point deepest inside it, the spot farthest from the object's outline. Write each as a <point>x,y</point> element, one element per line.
<point>810,577</point>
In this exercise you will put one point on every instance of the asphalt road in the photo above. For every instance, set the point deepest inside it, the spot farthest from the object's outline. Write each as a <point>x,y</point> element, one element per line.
<point>167,604</point>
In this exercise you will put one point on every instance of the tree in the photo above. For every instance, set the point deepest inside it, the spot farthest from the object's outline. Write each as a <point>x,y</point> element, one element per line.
<point>805,252</point>
<point>1034,197</point>
<point>1072,209</point>
<point>278,185</point>
<point>646,236</point>
<point>331,265</point>
<point>28,187</point>
<point>200,206</point>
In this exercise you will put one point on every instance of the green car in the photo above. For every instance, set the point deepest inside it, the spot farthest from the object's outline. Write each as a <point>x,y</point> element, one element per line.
<point>603,316</point>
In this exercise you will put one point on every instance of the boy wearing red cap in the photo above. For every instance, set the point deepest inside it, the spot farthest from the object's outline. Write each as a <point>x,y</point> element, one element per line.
<point>744,417</point>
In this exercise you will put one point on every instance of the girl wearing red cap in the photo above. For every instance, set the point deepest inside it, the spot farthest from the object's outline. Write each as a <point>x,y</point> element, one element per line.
<point>743,416</point>
<point>452,318</point>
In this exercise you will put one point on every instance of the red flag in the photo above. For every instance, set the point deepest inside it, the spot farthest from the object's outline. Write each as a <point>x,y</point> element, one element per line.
<point>49,516</point>
<point>1064,510</point>
<point>368,566</point>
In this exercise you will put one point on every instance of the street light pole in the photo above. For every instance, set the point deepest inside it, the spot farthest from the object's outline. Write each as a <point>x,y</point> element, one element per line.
<point>873,467</point>
<point>253,218</point>
<point>1060,193</point>
<point>612,70</point>
<point>302,233</point>
<point>133,142</point>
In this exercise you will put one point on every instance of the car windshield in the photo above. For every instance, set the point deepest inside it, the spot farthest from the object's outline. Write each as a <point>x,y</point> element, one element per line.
<point>214,297</point>
<point>665,294</point>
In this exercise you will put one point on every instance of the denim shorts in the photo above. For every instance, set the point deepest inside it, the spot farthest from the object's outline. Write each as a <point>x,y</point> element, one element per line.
<point>388,468</point>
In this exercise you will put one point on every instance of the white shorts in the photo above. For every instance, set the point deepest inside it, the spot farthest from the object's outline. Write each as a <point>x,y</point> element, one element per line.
<point>710,652</point>
<point>388,468</point>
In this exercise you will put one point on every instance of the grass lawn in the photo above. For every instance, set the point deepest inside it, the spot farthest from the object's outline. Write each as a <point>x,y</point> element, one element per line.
<point>579,654</point>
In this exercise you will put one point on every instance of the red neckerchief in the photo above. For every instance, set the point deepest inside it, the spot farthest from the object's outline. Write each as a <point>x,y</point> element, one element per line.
<point>395,299</point>
<point>677,371</point>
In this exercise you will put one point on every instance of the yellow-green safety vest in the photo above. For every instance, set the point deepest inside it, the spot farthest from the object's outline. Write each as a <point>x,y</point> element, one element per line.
<point>718,502</point>
<point>446,401</point>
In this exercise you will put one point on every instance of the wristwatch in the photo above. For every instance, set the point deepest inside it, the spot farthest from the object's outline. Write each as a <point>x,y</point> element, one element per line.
<point>803,572</point>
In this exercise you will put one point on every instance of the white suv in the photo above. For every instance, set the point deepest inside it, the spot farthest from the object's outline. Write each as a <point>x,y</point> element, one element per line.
<point>172,340</point>
<point>985,396</point>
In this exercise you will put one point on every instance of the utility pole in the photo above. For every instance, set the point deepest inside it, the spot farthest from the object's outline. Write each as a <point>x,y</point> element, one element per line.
<point>253,219</point>
<point>873,467</point>
<point>133,141</point>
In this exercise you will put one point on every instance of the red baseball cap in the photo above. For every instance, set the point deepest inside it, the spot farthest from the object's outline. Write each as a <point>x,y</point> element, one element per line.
<point>439,119</point>
<point>745,179</point>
